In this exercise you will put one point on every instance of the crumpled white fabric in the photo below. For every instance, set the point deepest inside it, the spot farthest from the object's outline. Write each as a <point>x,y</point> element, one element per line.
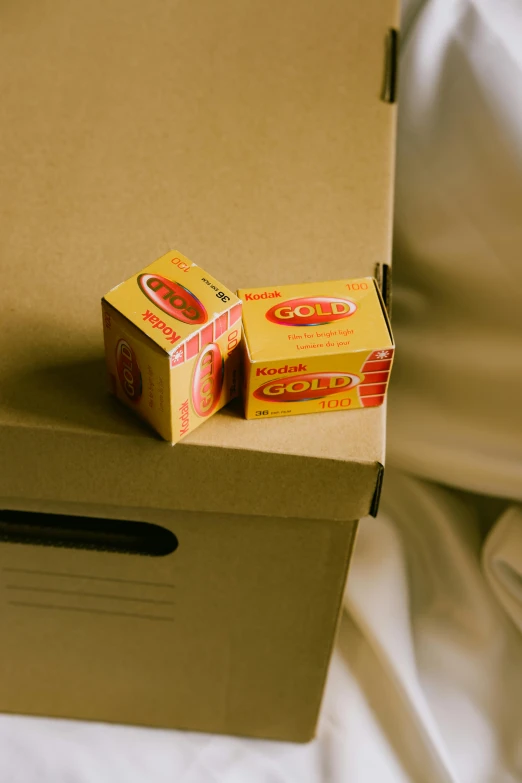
<point>418,592</point>
<point>455,414</point>
<point>425,685</point>
<point>502,559</point>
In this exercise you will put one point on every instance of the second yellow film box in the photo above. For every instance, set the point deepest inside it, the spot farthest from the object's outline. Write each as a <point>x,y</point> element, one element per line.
<point>315,347</point>
<point>171,337</point>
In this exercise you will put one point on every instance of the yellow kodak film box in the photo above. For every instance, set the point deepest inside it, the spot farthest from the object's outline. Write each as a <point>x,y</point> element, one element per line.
<point>315,347</point>
<point>171,337</point>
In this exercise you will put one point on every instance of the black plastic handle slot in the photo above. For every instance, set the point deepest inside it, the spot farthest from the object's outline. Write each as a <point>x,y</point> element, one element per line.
<point>72,532</point>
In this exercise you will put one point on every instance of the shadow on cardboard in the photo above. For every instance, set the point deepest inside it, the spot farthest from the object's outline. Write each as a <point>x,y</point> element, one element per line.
<point>76,394</point>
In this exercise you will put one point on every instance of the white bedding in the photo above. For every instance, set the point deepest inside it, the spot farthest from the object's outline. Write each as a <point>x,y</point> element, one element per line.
<point>425,683</point>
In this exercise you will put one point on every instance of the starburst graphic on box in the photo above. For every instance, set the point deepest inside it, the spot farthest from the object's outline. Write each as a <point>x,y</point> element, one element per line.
<point>176,357</point>
<point>383,355</point>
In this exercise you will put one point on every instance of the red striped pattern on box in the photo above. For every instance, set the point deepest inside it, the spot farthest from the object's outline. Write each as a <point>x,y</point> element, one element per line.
<point>209,334</point>
<point>376,369</point>
<point>235,313</point>
<point>376,377</point>
<point>372,402</point>
<point>368,366</point>
<point>192,346</point>
<point>370,389</point>
<point>220,325</point>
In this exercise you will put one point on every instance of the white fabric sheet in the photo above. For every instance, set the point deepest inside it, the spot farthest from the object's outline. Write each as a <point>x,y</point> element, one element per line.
<point>425,683</point>
<point>455,415</point>
<point>502,558</point>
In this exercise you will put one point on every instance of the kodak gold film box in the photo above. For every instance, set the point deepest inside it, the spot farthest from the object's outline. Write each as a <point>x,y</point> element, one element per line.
<point>315,347</point>
<point>171,334</point>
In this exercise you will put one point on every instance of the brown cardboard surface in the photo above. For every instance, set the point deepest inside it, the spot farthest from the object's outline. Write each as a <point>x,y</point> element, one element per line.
<point>252,137</point>
<point>249,136</point>
<point>232,632</point>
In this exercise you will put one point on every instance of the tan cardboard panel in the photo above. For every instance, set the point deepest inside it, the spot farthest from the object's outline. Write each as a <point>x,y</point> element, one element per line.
<point>250,136</point>
<point>231,632</point>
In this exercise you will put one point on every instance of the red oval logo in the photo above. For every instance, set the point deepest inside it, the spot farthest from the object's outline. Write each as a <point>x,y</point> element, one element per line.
<point>207,380</point>
<point>311,311</point>
<point>128,371</point>
<point>311,386</point>
<point>174,299</point>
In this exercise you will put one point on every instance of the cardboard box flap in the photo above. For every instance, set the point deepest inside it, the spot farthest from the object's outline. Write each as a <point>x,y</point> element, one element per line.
<point>140,471</point>
<point>252,137</point>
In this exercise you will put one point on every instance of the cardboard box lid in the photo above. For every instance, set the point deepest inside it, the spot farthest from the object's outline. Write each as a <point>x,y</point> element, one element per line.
<point>250,136</point>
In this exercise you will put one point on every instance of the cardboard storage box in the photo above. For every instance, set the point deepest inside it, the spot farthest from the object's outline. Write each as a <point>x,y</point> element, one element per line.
<point>195,586</point>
